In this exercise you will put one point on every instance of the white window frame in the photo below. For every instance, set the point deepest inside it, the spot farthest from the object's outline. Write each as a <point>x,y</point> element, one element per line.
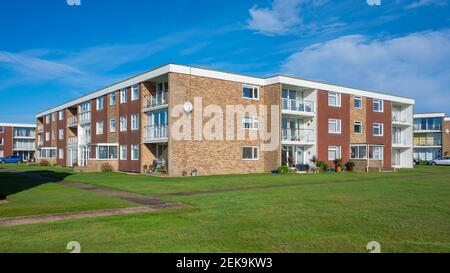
<point>380,153</point>
<point>53,135</point>
<point>108,153</point>
<point>47,136</point>
<point>358,98</point>
<point>136,148</point>
<point>338,126</point>
<point>360,123</point>
<point>2,154</point>
<point>337,150</point>
<point>134,122</point>
<point>254,89</point>
<point>123,152</point>
<point>358,147</point>
<point>99,127</point>
<point>2,129</point>
<point>61,134</point>
<point>123,124</point>
<point>100,103</point>
<point>381,105</point>
<point>112,129</point>
<point>134,96</point>
<point>123,95</point>
<point>47,119</point>
<point>338,99</point>
<point>61,153</point>
<point>254,122</point>
<point>255,153</point>
<point>381,127</point>
<point>112,98</point>
<point>53,117</point>
<point>2,142</point>
<point>61,115</point>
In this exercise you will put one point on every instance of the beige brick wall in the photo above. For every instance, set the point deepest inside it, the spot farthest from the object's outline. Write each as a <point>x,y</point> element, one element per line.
<point>358,115</point>
<point>96,165</point>
<point>446,138</point>
<point>215,156</point>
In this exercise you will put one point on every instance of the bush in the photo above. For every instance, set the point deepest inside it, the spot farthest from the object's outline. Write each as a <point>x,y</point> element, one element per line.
<point>338,162</point>
<point>44,163</point>
<point>107,168</point>
<point>350,165</point>
<point>423,162</point>
<point>283,169</point>
<point>322,165</point>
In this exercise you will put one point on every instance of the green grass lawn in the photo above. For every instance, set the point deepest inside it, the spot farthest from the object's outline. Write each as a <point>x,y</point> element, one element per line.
<point>32,198</point>
<point>407,211</point>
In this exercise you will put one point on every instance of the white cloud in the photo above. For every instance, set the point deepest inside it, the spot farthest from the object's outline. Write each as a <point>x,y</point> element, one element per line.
<point>416,65</point>
<point>421,3</point>
<point>281,18</point>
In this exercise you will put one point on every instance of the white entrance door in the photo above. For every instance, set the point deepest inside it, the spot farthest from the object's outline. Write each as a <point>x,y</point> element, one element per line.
<point>396,161</point>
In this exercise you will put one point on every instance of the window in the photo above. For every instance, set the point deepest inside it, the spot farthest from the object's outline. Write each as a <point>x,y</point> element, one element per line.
<point>53,134</point>
<point>357,127</point>
<point>48,153</point>
<point>135,92</point>
<point>250,153</point>
<point>378,129</point>
<point>61,115</point>
<point>123,95</point>
<point>134,152</point>
<point>2,154</point>
<point>250,92</point>
<point>2,129</point>
<point>61,153</point>
<point>1,142</point>
<point>251,123</point>
<point>123,124</point>
<point>123,152</point>
<point>85,107</point>
<point>107,152</point>
<point>61,134</point>
<point>53,117</point>
<point>358,152</point>
<point>377,105</point>
<point>334,152</point>
<point>99,128</point>
<point>378,153</point>
<point>112,125</point>
<point>47,136</point>
<point>134,122</point>
<point>112,98</point>
<point>334,99</point>
<point>334,126</point>
<point>99,103</point>
<point>47,119</point>
<point>358,102</point>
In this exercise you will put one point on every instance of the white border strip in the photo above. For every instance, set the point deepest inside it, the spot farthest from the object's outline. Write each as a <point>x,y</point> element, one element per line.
<point>429,115</point>
<point>18,125</point>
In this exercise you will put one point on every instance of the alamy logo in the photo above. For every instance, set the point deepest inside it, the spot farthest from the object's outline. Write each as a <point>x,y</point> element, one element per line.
<point>73,2</point>
<point>374,2</point>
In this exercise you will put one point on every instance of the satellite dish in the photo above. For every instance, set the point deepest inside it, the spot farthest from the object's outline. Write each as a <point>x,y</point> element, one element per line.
<point>188,107</point>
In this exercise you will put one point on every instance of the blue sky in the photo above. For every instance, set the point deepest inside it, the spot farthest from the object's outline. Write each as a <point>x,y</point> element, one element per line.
<point>51,52</point>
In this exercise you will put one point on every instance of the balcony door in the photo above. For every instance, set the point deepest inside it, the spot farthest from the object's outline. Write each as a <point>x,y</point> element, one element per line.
<point>397,135</point>
<point>292,156</point>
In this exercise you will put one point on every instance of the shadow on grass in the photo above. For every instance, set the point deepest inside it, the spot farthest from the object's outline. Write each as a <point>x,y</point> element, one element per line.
<point>15,182</point>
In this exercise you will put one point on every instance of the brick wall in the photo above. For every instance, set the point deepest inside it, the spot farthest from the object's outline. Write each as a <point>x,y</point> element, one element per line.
<point>7,137</point>
<point>446,138</point>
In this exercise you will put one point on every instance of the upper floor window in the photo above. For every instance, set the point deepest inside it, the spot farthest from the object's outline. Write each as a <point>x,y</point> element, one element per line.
<point>334,152</point>
<point>85,107</point>
<point>61,115</point>
<point>112,125</point>
<point>61,134</point>
<point>250,123</point>
<point>99,127</point>
<point>123,124</point>
<point>334,126</point>
<point>250,92</point>
<point>250,153</point>
<point>47,136</point>
<point>378,129</point>
<point>378,105</point>
<point>135,92</point>
<point>2,129</point>
<point>53,116</point>
<point>99,103</point>
<point>357,127</point>
<point>112,98</point>
<point>134,122</point>
<point>334,99</point>
<point>358,102</point>
<point>123,95</point>
<point>53,134</point>
<point>47,119</point>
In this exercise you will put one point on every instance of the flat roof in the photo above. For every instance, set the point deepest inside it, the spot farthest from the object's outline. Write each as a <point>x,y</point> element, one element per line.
<point>429,115</point>
<point>18,125</point>
<point>215,74</point>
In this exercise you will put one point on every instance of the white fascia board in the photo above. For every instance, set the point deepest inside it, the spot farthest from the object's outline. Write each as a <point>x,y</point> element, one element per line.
<point>429,115</point>
<point>447,119</point>
<point>18,125</point>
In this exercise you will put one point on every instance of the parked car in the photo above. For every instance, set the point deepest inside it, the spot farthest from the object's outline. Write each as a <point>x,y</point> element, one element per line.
<point>443,161</point>
<point>11,159</point>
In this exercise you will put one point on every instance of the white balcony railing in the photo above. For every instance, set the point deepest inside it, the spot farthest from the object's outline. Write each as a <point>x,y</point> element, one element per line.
<point>157,132</point>
<point>298,105</point>
<point>298,135</point>
<point>85,117</point>
<point>40,128</point>
<point>159,99</point>
<point>72,141</point>
<point>26,146</point>
<point>72,121</point>
<point>400,141</point>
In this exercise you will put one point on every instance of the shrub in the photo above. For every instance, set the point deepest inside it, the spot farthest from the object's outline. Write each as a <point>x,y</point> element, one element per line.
<point>322,165</point>
<point>283,169</point>
<point>338,162</point>
<point>107,168</point>
<point>423,162</point>
<point>44,163</point>
<point>446,153</point>
<point>350,165</point>
<point>184,173</point>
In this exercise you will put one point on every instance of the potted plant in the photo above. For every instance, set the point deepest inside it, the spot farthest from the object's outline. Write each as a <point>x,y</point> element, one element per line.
<point>194,172</point>
<point>350,165</point>
<point>338,164</point>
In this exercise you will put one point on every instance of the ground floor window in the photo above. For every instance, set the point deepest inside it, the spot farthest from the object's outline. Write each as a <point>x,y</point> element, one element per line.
<point>48,153</point>
<point>377,153</point>
<point>334,152</point>
<point>61,153</point>
<point>2,154</point>
<point>250,153</point>
<point>123,152</point>
<point>107,152</point>
<point>358,152</point>
<point>134,152</point>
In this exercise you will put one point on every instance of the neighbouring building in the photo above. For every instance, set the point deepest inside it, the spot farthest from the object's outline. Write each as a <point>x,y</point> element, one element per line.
<point>17,140</point>
<point>130,124</point>
<point>431,136</point>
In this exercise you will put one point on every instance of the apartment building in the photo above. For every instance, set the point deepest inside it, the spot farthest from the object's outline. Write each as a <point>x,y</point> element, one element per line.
<point>172,117</point>
<point>17,140</point>
<point>431,136</point>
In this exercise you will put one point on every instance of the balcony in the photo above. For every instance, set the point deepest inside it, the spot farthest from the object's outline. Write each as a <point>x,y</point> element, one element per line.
<point>72,121</point>
<point>40,128</point>
<point>399,119</point>
<point>85,117</point>
<point>298,107</point>
<point>298,136</point>
<point>157,101</point>
<point>400,142</point>
<point>156,134</point>
<point>24,146</point>
<point>427,142</point>
<point>72,141</point>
